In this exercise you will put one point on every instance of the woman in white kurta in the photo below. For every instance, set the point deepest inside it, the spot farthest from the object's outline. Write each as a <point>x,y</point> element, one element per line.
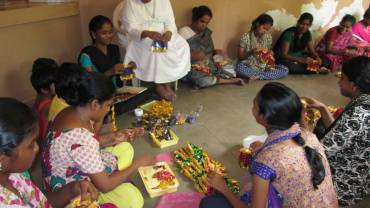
<point>148,20</point>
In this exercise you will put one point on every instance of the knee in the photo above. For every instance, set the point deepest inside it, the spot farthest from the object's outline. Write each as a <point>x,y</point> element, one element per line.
<point>216,200</point>
<point>206,202</point>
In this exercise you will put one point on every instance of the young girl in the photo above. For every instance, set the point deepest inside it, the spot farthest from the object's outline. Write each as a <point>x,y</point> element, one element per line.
<point>290,169</point>
<point>258,38</point>
<point>43,81</point>
<point>102,56</point>
<point>290,49</point>
<point>73,150</point>
<point>18,148</point>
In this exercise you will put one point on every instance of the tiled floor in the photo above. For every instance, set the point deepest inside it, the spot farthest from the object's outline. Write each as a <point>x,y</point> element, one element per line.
<point>227,119</point>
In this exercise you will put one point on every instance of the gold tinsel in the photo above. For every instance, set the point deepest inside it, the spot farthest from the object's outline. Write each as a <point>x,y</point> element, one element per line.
<point>114,125</point>
<point>162,108</point>
<point>75,203</point>
<point>312,115</point>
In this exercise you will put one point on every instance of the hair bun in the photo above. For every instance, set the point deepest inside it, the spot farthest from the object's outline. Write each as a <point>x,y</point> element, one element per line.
<point>72,84</point>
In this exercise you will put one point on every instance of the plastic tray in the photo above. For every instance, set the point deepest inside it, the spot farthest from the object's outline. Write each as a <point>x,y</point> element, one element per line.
<point>164,143</point>
<point>148,106</point>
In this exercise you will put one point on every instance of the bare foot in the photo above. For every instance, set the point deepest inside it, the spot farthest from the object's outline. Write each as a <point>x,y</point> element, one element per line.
<point>323,70</point>
<point>253,78</point>
<point>236,81</point>
<point>161,89</point>
<point>239,81</point>
<point>171,97</point>
<point>171,93</point>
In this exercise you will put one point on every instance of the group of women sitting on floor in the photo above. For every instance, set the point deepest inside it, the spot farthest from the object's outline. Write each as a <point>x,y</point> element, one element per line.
<point>293,50</point>
<point>291,169</point>
<point>198,62</point>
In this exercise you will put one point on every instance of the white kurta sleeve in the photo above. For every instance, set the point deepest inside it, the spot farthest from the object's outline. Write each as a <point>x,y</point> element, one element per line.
<point>128,20</point>
<point>169,24</point>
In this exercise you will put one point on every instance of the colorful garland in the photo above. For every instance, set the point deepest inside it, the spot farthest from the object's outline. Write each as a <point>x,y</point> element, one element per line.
<point>245,157</point>
<point>164,177</point>
<point>195,164</point>
<point>311,115</point>
<point>314,66</point>
<point>266,56</point>
<point>202,68</point>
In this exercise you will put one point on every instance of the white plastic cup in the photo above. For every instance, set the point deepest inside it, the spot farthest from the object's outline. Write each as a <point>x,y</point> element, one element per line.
<point>139,112</point>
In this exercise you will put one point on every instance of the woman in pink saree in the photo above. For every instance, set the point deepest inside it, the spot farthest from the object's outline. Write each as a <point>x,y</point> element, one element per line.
<point>361,34</point>
<point>361,30</point>
<point>335,46</point>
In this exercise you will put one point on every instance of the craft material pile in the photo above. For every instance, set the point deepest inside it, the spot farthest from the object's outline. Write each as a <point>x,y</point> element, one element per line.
<point>195,164</point>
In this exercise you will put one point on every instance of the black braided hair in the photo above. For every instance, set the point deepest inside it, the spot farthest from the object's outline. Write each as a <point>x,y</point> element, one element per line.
<point>282,108</point>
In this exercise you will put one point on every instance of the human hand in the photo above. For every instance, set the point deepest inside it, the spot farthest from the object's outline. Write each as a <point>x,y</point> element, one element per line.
<point>166,37</point>
<point>350,52</point>
<point>199,56</point>
<point>129,135</point>
<point>305,60</point>
<point>144,160</point>
<point>85,189</point>
<point>116,69</point>
<point>318,59</point>
<point>153,35</point>
<point>254,50</point>
<point>217,182</point>
<point>313,103</point>
<point>219,52</point>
